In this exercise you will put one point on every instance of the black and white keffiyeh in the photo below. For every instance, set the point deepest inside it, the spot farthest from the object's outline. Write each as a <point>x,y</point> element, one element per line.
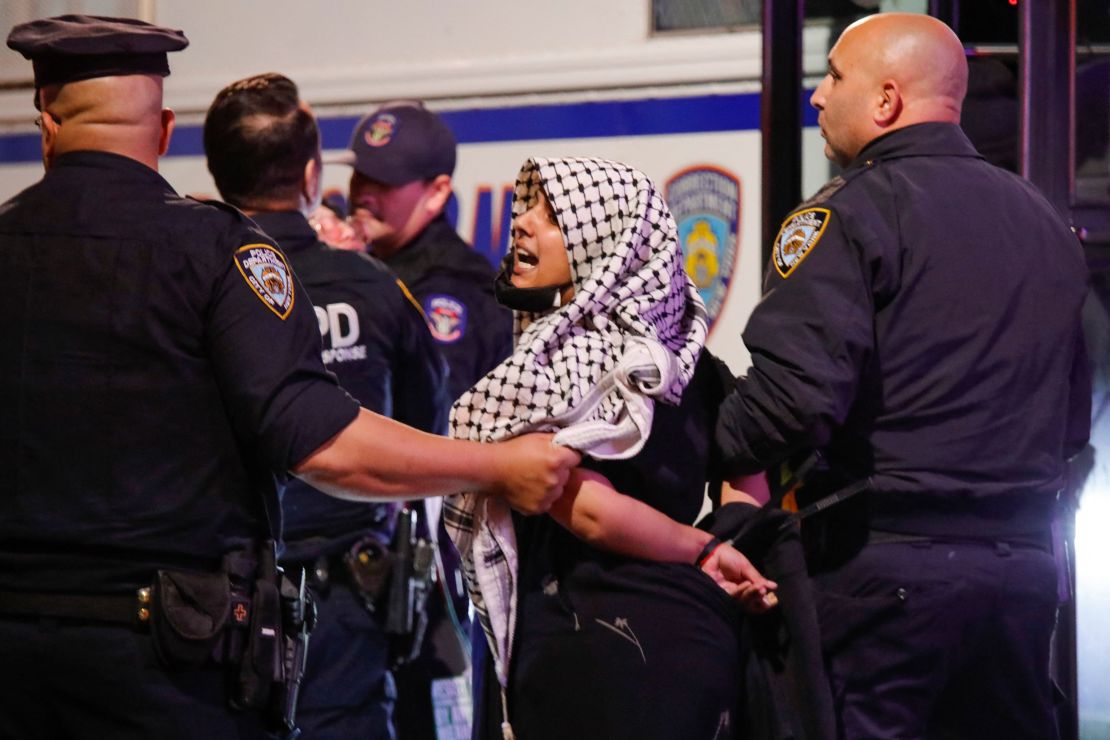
<point>632,332</point>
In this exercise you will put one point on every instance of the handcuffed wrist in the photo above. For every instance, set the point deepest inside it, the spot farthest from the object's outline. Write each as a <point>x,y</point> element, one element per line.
<point>707,551</point>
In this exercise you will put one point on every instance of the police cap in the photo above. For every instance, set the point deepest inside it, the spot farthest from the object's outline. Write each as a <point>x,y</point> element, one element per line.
<point>69,48</point>
<point>400,143</point>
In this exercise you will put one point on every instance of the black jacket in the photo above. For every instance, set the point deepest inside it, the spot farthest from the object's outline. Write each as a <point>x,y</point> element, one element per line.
<point>377,344</point>
<point>921,327</point>
<point>160,365</point>
<point>454,286</point>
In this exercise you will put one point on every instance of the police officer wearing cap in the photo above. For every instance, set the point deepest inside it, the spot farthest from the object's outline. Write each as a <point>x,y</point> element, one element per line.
<point>377,344</point>
<point>162,365</point>
<point>921,329</point>
<point>403,157</point>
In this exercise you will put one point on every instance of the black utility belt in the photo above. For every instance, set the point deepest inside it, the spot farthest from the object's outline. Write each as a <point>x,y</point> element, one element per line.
<point>247,617</point>
<point>194,606</point>
<point>393,583</point>
<point>128,610</point>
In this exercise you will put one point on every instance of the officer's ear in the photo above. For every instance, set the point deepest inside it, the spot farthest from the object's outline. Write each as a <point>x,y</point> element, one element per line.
<point>437,194</point>
<point>890,104</point>
<point>49,139</point>
<point>312,183</point>
<point>48,125</point>
<point>168,120</point>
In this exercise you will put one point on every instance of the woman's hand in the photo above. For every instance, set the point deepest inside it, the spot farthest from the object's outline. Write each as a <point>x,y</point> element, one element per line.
<point>739,578</point>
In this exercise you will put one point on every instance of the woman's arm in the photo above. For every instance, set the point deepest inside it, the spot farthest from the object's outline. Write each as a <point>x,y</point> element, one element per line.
<point>601,516</point>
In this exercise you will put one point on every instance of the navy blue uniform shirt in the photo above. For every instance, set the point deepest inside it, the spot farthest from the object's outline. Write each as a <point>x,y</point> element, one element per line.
<point>921,326</point>
<point>160,365</point>
<point>454,286</point>
<point>376,342</point>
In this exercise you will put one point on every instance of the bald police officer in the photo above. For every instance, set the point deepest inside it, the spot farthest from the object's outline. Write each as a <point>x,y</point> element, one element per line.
<point>162,364</point>
<point>921,329</point>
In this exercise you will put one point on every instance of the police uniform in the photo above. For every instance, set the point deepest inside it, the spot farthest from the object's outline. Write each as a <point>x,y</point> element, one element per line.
<point>454,286</point>
<point>376,342</point>
<point>395,145</point>
<point>921,329</point>
<point>161,365</point>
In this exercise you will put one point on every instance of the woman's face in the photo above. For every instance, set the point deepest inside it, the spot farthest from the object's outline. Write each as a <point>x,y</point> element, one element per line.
<point>539,254</point>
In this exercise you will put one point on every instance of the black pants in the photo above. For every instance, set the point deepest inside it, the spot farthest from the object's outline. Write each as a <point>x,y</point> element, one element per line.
<point>347,691</point>
<point>61,680</point>
<point>638,651</point>
<point>941,640</point>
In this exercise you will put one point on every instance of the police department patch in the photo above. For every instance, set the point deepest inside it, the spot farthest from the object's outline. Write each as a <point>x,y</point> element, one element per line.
<point>799,234</point>
<point>446,317</point>
<point>266,271</point>
<point>705,202</point>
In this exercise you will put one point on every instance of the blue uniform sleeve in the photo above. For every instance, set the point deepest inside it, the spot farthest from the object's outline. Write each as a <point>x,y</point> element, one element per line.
<point>809,339</point>
<point>420,377</point>
<point>264,341</point>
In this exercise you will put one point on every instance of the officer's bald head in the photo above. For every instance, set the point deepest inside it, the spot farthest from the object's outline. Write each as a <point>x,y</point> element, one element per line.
<point>917,50</point>
<point>888,71</point>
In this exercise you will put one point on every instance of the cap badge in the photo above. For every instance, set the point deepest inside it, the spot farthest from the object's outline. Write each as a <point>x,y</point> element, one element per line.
<point>381,129</point>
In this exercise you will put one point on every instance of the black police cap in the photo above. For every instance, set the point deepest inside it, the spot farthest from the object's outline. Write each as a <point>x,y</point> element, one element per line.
<point>400,143</point>
<point>69,48</point>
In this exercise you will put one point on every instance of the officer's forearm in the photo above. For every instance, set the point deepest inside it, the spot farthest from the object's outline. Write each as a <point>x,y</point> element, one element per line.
<point>375,457</point>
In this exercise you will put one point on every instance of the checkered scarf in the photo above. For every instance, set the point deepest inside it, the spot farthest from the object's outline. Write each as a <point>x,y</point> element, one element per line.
<point>633,329</point>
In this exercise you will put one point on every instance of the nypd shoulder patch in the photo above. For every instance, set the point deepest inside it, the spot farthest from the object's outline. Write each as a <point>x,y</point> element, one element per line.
<point>446,317</point>
<point>268,274</point>
<point>797,237</point>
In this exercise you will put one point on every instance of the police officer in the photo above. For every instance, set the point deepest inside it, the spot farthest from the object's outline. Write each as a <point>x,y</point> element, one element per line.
<point>161,365</point>
<point>921,330</point>
<point>263,149</point>
<point>403,157</point>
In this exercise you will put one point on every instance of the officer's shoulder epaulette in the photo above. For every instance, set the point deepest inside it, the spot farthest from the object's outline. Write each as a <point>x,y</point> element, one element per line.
<point>372,262</point>
<point>227,208</point>
<point>827,191</point>
<point>240,226</point>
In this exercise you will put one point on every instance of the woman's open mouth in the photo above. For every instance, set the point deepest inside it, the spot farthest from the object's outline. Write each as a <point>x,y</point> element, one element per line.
<point>524,261</point>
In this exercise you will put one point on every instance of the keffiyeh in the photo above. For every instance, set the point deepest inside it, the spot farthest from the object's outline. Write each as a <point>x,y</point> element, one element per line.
<point>632,332</point>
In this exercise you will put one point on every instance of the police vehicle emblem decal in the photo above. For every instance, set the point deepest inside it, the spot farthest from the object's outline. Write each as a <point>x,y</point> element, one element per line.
<point>705,202</point>
<point>446,317</point>
<point>266,271</point>
<point>381,129</point>
<point>797,237</point>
